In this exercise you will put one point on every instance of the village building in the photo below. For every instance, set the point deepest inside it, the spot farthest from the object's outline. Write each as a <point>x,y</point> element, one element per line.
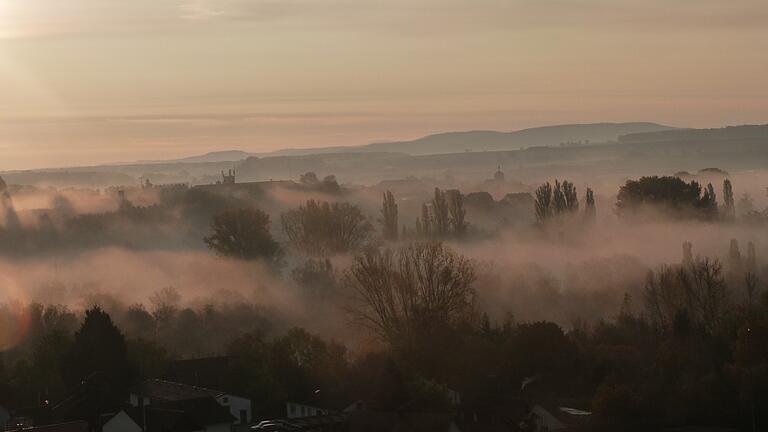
<point>159,392</point>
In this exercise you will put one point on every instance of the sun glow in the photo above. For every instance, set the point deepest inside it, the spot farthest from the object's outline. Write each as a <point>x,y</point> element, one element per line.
<point>21,18</point>
<point>14,325</point>
<point>12,21</point>
<point>5,14</point>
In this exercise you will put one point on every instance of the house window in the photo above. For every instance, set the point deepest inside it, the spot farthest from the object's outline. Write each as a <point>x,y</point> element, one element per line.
<point>293,409</point>
<point>243,416</point>
<point>225,400</point>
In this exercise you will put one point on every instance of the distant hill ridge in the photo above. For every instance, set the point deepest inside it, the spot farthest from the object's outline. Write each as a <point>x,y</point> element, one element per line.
<point>715,134</point>
<point>457,142</point>
<point>219,156</point>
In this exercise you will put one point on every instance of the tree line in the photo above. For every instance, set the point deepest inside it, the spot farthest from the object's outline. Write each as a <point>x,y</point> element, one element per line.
<point>690,351</point>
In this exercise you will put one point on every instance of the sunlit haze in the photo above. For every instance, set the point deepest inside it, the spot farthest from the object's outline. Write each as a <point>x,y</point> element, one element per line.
<point>383,215</point>
<point>93,81</point>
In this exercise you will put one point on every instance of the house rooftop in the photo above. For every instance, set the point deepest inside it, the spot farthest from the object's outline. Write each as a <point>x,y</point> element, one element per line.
<point>313,423</point>
<point>381,421</point>
<point>205,411</point>
<point>178,416</point>
<point>203,372</point>
<point>168,391</point>
<point>73,426</point>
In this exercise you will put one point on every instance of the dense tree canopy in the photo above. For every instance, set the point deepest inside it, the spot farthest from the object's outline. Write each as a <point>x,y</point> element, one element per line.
<point>243,233</point>
<point>322,228</point>
<point>443,217</point>
<point>670,194</point>
<point>558,203</point>
<point>729,204</point>
<point>543,202</point>
<point>99,352</point>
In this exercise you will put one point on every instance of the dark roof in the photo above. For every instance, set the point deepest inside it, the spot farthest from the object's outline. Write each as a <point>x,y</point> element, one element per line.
<point>494,415</point>
<point>86,401</point>
<point>259,186</point>
<point>204,372</point>
<point>316,423</point>
<point>701,429</point>
<point>565,412</point>
<point>179,416</point>
<point>167,391</point>
<point>382,421</point>
<point>74,426</point>
<point>170,420</point>
<point>205,411</point>
<point>160,419</point>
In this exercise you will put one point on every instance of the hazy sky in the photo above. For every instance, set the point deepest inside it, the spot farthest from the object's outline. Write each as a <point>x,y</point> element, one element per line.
<point>86,81</point>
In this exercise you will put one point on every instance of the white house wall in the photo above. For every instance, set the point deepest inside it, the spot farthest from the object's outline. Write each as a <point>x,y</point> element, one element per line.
<point>235,404</point>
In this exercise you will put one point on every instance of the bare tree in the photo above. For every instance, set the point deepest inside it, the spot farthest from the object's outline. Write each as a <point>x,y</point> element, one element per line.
<point>400,292</point>
<point>457,212</point>
<point>426,221</point>
<point>663,296</point>
<point>751,283</point>
<point>699,290</point>
<point>320,228</point>
<point>389,216</point>
<point>440,214</point>
<point>751,264</point>
<point>735,264</point>
<point>706,292</point>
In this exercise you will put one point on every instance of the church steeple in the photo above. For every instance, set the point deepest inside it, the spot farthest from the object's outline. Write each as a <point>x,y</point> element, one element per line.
<point>499,175</point>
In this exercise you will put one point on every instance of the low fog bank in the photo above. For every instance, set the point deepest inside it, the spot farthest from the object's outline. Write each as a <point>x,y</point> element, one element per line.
<point>129,246</point>
<point>583,272</point>
<point>134,276</point>
<point>250,295</point>
<point>566,275</point>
